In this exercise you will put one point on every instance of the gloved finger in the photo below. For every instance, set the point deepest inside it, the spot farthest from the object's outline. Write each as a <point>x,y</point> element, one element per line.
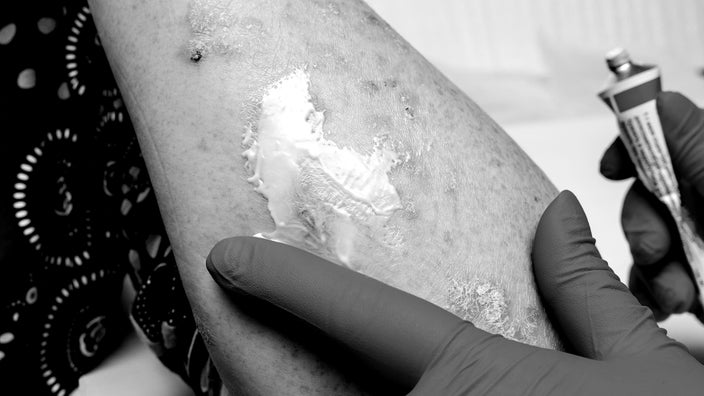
<point>394,332</point>
<point>673,288</point>
<point>582,295</point>
<point>615,163</point>
<point>683,125</point>
<point>644,225</point>
<point>498,366</point>
<point>639,285</point>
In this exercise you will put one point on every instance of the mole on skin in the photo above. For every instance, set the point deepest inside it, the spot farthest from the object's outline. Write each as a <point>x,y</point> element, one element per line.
<point>216,29</point>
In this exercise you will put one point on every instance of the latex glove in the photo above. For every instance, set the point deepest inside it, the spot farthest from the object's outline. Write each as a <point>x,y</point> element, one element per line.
<point>660,277</point>
<point>429,351</point>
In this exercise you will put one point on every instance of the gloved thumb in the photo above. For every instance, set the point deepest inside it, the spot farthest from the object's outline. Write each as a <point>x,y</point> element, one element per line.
<point>583,297</point>
<point>394,333</point>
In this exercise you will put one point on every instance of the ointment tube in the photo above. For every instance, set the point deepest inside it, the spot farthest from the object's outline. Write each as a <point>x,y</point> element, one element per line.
<point>631,95</point>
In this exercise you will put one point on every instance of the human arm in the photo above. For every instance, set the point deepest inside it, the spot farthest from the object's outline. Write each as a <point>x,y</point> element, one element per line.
<point>193,81</point>
<point>660,276</point>
<point>618,348</point>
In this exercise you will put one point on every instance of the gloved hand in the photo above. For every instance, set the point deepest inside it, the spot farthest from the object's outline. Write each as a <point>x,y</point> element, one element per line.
<point>660,277</point>
<point>429,351</point>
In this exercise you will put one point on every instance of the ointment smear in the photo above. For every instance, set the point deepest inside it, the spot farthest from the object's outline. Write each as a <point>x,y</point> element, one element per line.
<point>319,195</point>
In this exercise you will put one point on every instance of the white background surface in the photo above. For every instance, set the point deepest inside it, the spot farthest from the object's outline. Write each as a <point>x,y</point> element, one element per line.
<point>535,67</point>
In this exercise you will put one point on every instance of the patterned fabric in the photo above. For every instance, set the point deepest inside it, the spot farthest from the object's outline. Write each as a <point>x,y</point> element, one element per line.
<point>77,213</point>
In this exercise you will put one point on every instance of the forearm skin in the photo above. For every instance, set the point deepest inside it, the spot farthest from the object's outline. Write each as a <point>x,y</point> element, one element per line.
<point>192,80</point>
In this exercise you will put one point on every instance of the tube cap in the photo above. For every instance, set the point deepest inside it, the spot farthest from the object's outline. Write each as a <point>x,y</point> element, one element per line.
<point>617,57</point>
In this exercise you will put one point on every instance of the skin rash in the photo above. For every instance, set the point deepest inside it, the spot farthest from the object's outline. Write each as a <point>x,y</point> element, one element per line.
<point>321,196</point>
<point>194,74</point>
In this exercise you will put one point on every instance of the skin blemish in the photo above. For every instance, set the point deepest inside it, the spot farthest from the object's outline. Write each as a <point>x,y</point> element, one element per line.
<point>495,163</point>
<point>485,304</point>
<point>252,24</point>
<point>525,329</point>
<point>209,21</point>
<point>374,25</point>
<point>371,18</point>
<point>451,187</point>
<point>409,211</point>
<point>532,317</point>
<point>196,55</point>
<point>373,87</point>
<point>329,8</point>
<point>203,146</point>
<point>390,83</point>
<point>334,8</point>
<point>447,238</point>
<point>382,60</point>
<point>216,29</point>
<point>393,238</point>
<point>370,86</point>
<point>408,111</point>
<point>333,60</point>
<point>481,302</point>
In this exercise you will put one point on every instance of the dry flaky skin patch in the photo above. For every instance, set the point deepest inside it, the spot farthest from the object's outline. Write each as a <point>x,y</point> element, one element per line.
<point>217,29</point>
<point>485,305</point>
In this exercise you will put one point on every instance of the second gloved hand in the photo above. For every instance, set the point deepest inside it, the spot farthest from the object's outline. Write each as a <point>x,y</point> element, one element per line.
<point>660,277</point>
<point>429,351</point>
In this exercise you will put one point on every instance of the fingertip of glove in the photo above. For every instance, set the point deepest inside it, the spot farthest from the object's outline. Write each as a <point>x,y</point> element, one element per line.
<point>668,100</point>
<point>608,166</point>
<point>566,198</point>
<point>561,230</point>
<point>563,213</point>
<point>647,249</point>
<point>226,260</point>
<point>615,163</point>
<point>673,109</point>
<point>673,289</point>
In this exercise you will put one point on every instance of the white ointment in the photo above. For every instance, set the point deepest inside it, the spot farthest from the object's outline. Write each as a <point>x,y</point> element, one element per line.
<point>319,195</point>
